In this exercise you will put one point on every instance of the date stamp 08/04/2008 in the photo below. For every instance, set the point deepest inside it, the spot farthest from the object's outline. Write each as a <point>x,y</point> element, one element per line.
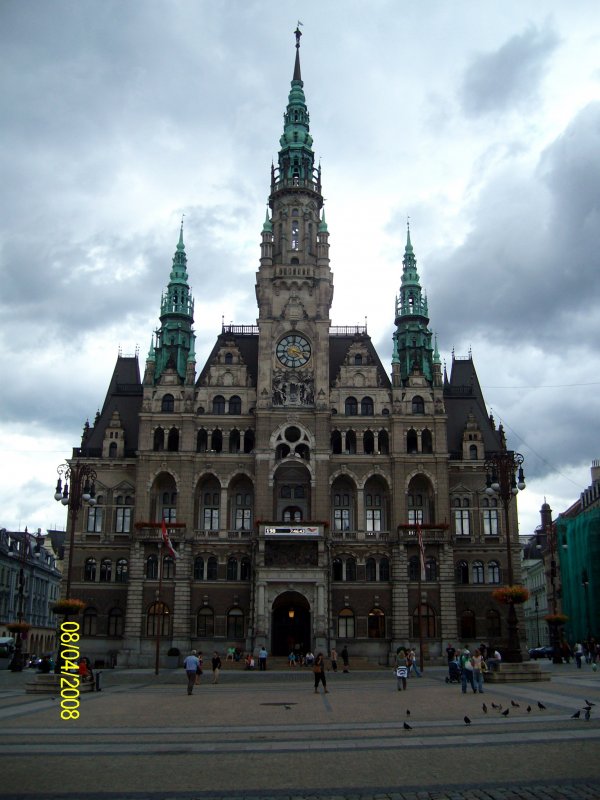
<point>69,674</point>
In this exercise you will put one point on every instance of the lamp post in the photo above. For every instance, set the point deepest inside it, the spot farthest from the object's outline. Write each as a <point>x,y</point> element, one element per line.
<point>505,478</point>
<point>584,583</point>
<point>20,549</point>
<point>537,620</point>
<point>82,489</point>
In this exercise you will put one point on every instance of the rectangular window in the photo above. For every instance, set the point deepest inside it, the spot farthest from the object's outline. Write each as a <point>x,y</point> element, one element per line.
<point>243,519</point>
<point>169,514</point>
<point>373,519</point>
<point>94,520</point>
<point>490,522</point>
<point>346,627</point>
<point>461,522</point>
<point>415,516</point>
<point>211,519</point>
<point>341,519</point>
<point>123,524</point>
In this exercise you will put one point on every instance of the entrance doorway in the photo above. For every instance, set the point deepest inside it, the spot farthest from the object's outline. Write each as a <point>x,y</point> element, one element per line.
<point>290,627</point>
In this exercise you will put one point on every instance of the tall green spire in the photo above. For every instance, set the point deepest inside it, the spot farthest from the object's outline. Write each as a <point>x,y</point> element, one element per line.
<point>296,158</point>
<point>175,337</point>
<point>412,338</point>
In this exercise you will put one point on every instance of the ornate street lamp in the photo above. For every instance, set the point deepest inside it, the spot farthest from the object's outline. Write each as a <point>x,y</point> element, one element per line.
<point>82,489</point>
<point>505,478</point>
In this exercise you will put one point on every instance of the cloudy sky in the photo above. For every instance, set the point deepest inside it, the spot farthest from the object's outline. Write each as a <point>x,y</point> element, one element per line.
<point>479,121</point>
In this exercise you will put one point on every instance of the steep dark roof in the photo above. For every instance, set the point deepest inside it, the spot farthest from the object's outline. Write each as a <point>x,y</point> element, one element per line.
<point>462,396</point>
<point>338,348</point>
<point>125,396</point>
<point>247,344</point>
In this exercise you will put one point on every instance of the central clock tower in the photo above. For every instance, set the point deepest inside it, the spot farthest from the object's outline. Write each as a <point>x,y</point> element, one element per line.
<point>294,286</point>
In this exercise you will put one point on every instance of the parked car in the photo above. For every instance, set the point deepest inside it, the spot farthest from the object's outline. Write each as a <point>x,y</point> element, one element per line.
<point>541,652</point>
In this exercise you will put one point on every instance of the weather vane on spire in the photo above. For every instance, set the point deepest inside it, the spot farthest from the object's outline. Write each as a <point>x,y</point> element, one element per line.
<point>298,33</point>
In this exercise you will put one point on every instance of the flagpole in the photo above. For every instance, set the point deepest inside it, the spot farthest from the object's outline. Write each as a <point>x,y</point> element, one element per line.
<point>160,607</point>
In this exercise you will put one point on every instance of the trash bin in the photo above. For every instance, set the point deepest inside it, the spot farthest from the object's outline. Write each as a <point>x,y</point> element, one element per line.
<point>98,680</point>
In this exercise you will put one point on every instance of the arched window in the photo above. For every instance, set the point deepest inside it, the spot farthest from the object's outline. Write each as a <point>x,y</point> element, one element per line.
<point>414,568</point>
<point>198,568</point>
<point>346,624</point>
<point>350,569</point>
<point>122,571</point>
<point>366,407</point>
<point>212,569</point>
<point>228,358</point>
<point>358,360</point>
<point>205,623</point>
<point>201,441</point>
<point>249,441</point>
<point>219,404</point>
<point>234,441</point>
<point>235,624</point>
<point>477,572</point>
<point>468,628</point>
<point>105,570</point>
<point>462,572</point>
<point>159,439</point>
<point>384,569</point>
<point>368,443</point>
<point>115,622</point>
<point>426,441</point>
<point>217,441</point>
<point>232,566</point>
<point>336,443</point>
<point>376,624</point>
<point>370,569</point>
<point>89,572</point>
<point>351,442</point>
<point>173,441</point>
<point>235,405</point>
<point>158,616</point>
<point>168,568</point>
<point>337,570</point>
<point>412,441</point>
<point>418,406</point>
<point>493,572</point>
<point>424,621</point>
<point>473,452</point>
<point>245,569</point>
<point>493,624</point>
<point>431,570</point>
<point>152,567</point>
<point>112,450</point>
<point>167,405</point>
<point>282,451</point>
<point>89,625</point>
<point>351,406</point>
<point>383,443</point>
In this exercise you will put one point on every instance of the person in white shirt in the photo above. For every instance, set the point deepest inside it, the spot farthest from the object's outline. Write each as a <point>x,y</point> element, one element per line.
<point>191,665</point>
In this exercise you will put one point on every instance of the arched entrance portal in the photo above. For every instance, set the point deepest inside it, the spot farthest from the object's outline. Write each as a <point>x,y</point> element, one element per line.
<point>290,629</point>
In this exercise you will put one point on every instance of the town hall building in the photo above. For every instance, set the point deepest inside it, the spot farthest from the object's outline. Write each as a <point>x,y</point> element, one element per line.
<point>295,472</point>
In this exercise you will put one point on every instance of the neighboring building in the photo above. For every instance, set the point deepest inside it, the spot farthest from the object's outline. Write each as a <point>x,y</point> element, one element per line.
<point>578,534</point>
<point>29,584</point>
<point>294,470</point>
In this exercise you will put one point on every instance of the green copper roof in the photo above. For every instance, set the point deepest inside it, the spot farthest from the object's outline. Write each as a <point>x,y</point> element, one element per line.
<point>268,225</point>
<point>323,224</point>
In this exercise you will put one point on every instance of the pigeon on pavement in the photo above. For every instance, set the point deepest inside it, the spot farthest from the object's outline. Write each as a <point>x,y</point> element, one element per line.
<point>484,707</point>
<point>467,720</point>
<point>541,706</point>
<point>576,715</point>
<point>407,727</point>
<point>505,713</point>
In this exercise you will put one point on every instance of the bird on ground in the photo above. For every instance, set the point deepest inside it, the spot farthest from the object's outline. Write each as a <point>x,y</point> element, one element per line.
<point>541,706</point>
<point>505,713</point>
<point>576,715</point>
<point>587,702</point>
<point>408,712</point>
<point>528,709</point>
<point>407,727</point>
<point>496,706</point>
<point>484,707</point>
<point>587,716</point>
<point>587,708</point>
<point>514,705</point>
<point>467,720</point>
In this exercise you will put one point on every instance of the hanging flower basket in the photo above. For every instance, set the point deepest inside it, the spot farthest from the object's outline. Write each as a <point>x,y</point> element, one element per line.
<point>511,594</point>
<point>18,627</point>
<point>556,619</point>
<point>68,606</point>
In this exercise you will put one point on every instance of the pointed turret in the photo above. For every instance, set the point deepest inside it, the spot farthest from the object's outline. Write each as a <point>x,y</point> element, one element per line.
<point>412,338</point>
<point>175,337</point>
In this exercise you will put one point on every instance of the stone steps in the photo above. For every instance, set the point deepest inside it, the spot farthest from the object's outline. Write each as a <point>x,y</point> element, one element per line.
<point>525,672</point>
<point>50,684</point>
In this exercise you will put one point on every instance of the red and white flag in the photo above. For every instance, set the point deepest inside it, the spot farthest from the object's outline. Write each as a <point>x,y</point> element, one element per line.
<point>421,551</point>
<point>167,541</point>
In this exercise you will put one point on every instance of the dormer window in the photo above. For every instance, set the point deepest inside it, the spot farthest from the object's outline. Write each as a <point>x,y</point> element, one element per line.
<point>168,404</point>
<point>418,406</point>
<point>228,358</point>
<point>358,360</point>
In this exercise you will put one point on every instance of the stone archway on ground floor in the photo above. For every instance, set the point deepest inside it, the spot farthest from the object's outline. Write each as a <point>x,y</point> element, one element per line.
<point>290,624</point>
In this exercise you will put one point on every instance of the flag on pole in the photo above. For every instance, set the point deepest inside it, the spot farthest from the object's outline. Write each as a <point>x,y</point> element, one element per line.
<point>167,541</point>
<point>421,551</point>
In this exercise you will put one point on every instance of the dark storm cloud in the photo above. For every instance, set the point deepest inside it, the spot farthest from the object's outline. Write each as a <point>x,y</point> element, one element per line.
<point>508,77</point>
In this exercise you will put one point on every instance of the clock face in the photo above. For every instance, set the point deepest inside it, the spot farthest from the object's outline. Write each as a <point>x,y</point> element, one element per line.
<point>293,350</point>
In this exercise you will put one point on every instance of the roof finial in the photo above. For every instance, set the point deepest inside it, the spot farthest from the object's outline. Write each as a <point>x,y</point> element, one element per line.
<point>297,76</point>
<point>180,242</point>
<point>298,33</point>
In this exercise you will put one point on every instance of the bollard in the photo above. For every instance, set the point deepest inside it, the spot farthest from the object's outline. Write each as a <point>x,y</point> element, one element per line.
<point>98,674</point>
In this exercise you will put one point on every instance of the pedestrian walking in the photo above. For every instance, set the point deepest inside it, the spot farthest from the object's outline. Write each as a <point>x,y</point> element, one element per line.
<point>411,662</point>
<point>319,673</point>
<point>466,671</point>
<point>190,665</point>
<point>334,659</point>
<point>401,671</point>
<point>345,658</point>
<point>216,667</point>
<point>262,658</point>
<point>199,668</point>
